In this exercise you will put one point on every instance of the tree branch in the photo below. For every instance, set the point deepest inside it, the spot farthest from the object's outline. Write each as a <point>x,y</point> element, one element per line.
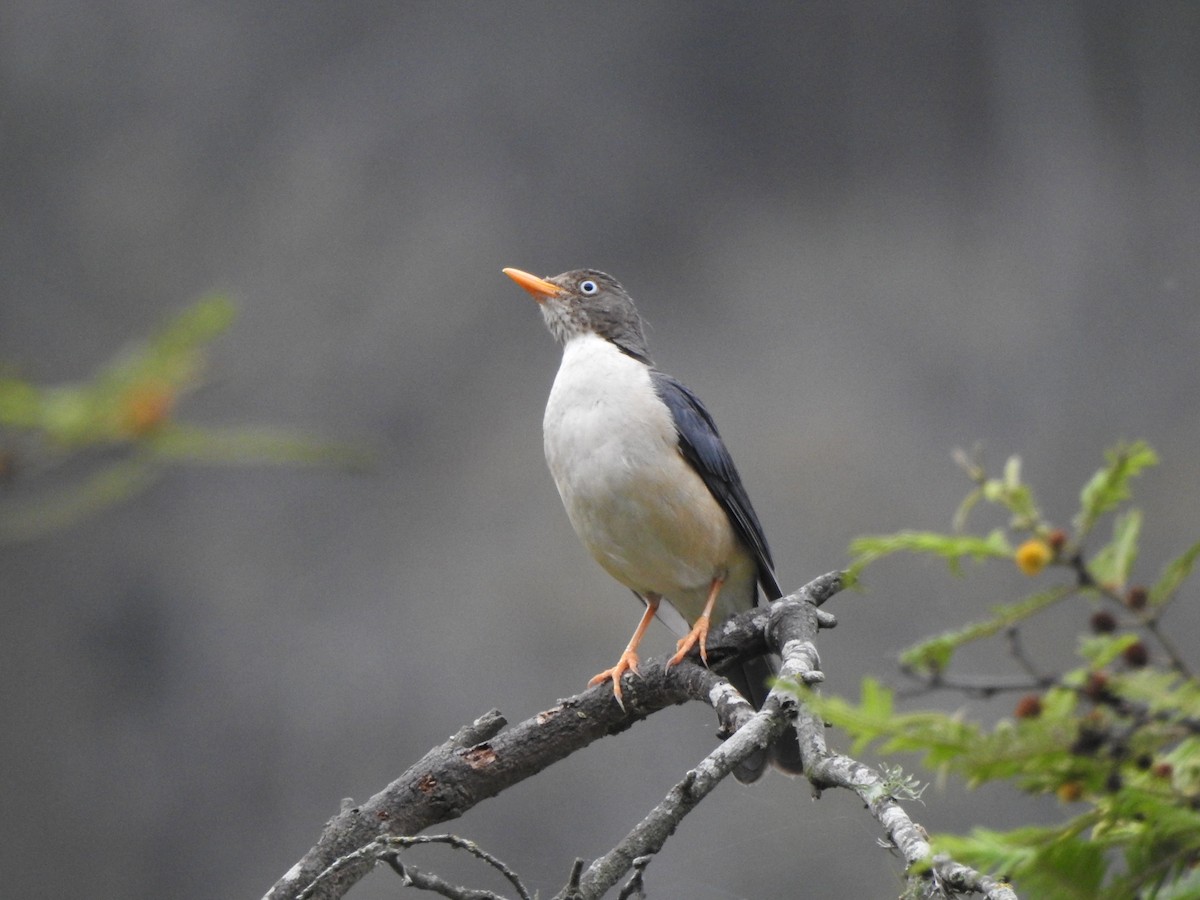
<point>386,849</point>
<point>758,733</point>
<point>929,876</point>
<point>482,759</point>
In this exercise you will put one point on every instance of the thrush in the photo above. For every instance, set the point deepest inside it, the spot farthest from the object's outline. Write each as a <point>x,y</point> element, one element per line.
<point>648,484</point>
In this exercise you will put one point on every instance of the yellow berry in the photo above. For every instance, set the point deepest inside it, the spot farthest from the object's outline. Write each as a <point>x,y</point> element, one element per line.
<point>1033,555</point>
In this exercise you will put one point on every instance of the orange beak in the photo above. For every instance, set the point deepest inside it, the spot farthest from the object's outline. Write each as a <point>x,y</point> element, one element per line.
<point>539,287</point>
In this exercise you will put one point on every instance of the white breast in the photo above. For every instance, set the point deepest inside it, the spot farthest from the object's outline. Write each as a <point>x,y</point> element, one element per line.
<point>636,504</point>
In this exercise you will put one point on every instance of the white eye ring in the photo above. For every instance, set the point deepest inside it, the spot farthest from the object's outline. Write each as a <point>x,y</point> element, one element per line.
<point>588,287</point>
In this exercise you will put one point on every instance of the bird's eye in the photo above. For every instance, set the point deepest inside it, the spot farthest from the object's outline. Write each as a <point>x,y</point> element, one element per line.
<point>588,287</point>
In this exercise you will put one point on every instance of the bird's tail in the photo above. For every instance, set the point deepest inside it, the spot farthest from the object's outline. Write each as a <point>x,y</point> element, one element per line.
<point>752,681</point>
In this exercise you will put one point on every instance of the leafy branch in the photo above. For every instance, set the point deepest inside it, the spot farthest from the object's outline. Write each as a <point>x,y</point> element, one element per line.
<point>1119,733</point>
<point>122,427</point>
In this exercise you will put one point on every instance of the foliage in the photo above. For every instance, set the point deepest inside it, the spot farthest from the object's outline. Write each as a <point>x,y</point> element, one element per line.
<point>1116,737</point>
<point>121,426</point>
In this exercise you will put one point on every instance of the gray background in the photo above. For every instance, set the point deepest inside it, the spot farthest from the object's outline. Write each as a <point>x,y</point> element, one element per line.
<point>864,233</point>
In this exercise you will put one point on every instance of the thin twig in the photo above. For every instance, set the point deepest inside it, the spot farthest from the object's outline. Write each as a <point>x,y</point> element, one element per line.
<point>983,687</point>
<point>1017,649</point>
<point>635,887</point>
<point>339,865</point>
<point>427,881</point>
<point>1173,654</point>
<point>469,846</point>
<point>386,849</point>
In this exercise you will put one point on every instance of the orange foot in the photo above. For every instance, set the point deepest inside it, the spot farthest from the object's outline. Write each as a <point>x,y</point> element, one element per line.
<point>627,663</point>
<point>698,634</point>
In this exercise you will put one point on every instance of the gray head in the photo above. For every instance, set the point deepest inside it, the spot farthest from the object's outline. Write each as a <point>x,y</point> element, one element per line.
<point>585,301</point>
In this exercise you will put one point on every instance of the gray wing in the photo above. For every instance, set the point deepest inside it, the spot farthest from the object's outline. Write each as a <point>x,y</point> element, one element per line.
<point>701,445</point>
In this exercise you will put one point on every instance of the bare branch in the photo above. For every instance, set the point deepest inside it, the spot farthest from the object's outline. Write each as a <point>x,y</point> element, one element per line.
<point>649,835</point>
<point>427,881</point>
<point>471,847</point>
<point>481,760</point>
<point>635,888</point>
<point>758,733</point>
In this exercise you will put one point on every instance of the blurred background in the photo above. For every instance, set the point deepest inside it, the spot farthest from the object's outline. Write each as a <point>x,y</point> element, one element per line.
<point>864,233</point>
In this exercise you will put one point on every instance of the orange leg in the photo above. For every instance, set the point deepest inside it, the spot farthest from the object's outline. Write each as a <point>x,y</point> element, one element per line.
<point>629,659</point>
<point>699,630</point>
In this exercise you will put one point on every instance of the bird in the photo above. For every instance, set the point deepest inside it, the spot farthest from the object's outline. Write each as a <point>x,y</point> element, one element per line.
<point>647,482</point>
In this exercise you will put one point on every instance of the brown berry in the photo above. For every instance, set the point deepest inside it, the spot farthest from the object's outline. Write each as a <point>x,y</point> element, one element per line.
<point>1136,655</point>
<point>1136,597</point>
<point>1163,770</point>
<point>1096,687</point>
<point>1057,539</point>
<point>1028,707</point>
<point>1103,622</point>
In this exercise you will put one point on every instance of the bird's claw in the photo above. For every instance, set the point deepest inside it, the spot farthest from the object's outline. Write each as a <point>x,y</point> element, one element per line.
<point>627,663</point>
<point>698,635</point>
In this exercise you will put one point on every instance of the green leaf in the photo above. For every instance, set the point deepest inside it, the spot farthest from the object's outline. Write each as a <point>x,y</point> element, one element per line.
<point>1174,575</point>
<point>1111,564</point>
<point>1007,491</point>
<point>1101,650</point>
<point>1012,473</point>
<point>1109,487</point>
<point>69,415</point>
<point>951,547</point>
<point>96,411</point>
<point>1162,692</point>
<point>173,355</point>
<point>66,506</point>
<point>19,405</point>
<point>959,522</point>
<point>934,654</point>
<point>937,735</point>
<point>1186,888</point>
<point>240,446</point>
<point>198,324</point>
<point>1158,854</point>
<point>1018,496</point>
<point>1041,862</point>
<point>876,699</point>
